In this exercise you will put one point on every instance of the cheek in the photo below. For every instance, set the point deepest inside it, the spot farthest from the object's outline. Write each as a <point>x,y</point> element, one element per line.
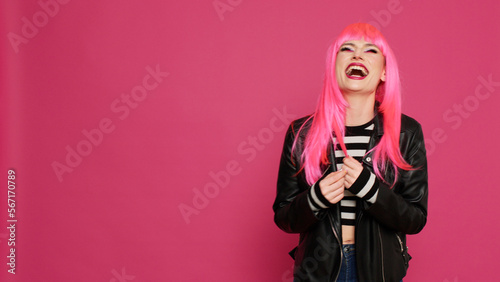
<point>381,64</point>
<point>341,62</point>
<point>378,67</point>
<point>338,69</point>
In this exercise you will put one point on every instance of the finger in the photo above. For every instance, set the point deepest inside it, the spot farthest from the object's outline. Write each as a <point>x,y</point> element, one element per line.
<point>334,177</point>
<point>337,198</point>
<point>353,159</point>
<point>351,162</point>
<point>351,172</point>
<point>338,185</point>
<point>335,193</point>
<point>350,177</point>
<point>347,161</point>
<point>348,181</point>
<point>348,167</point>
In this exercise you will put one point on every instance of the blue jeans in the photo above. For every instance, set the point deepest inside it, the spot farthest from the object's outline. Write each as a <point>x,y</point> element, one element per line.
<point>348,272</point>
<point>348,268</point>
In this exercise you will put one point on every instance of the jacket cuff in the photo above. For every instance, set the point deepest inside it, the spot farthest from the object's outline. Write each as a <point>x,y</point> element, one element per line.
<point>366,186</point>
<point>316,199</point>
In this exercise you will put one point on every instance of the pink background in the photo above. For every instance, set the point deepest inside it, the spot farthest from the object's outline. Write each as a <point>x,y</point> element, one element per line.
<point>236,74</point>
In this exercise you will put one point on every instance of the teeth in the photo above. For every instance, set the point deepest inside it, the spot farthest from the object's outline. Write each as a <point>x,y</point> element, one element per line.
<point>360,68</point>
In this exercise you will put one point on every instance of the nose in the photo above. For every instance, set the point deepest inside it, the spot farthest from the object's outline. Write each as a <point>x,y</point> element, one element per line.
<point>356,55</point>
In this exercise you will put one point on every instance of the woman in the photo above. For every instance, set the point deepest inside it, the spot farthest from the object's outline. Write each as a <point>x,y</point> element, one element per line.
<point>353,176</point>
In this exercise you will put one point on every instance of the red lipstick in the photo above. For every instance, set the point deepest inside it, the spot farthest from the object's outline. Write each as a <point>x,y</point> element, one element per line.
<point>356,71</point>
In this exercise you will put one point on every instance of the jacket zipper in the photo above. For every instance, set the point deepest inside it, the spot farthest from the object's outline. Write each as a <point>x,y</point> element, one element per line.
<point>324,172</point>
<point>403,247</point>
<point>381,254</point>
<point>400,243</point>
<point>334,168</point>
<point>340,245</point>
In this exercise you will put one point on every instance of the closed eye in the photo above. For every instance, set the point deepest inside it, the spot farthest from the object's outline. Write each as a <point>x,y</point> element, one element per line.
<point>371,51</point>
<point>347,49</point>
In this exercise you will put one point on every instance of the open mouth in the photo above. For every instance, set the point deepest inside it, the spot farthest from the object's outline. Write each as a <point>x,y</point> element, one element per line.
<point>356,71</point>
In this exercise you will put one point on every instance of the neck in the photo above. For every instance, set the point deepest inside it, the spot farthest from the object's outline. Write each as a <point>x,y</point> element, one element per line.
<point>361,109</point>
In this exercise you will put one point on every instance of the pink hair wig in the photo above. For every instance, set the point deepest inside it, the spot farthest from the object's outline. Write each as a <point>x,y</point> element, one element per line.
<point>329,118</point>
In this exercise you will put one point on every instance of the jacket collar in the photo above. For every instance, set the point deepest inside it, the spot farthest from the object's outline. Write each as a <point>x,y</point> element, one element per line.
<point>379,123</point>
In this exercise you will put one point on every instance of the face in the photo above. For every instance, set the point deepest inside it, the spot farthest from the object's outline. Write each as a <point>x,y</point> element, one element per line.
<point>359,68</point>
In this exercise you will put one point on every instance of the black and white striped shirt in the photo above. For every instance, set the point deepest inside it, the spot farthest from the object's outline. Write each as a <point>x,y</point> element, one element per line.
<point>365,187</point>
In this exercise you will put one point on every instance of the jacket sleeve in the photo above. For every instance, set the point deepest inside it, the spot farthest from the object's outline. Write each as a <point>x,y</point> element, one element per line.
<point>292,211</point>
<point>404,207</point>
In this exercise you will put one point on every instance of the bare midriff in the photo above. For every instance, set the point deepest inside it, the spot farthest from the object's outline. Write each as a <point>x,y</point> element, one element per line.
<point>347,234</point>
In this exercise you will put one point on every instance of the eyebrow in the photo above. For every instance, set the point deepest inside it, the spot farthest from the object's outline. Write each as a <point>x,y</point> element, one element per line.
<point>366,45</point>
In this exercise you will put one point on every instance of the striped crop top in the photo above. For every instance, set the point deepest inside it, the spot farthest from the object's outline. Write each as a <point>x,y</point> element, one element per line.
<point>365,187</point>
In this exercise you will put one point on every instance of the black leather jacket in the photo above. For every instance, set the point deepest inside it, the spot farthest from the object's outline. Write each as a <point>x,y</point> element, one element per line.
<point>381,227</point>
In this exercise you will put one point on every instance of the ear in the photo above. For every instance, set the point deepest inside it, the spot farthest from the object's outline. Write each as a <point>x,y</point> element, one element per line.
<point>382,77</point>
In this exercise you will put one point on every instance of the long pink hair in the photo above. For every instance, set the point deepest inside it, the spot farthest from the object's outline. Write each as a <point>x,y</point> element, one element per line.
<point>328,121</point>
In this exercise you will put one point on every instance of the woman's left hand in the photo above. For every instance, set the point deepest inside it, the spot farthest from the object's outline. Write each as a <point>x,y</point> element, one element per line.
<point>353,168</point>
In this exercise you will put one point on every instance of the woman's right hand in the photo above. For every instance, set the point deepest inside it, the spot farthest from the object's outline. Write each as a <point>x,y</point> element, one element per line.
<point>332,186</point>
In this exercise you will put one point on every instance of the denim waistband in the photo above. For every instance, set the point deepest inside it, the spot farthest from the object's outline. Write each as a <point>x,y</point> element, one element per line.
<point>348,248</point>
